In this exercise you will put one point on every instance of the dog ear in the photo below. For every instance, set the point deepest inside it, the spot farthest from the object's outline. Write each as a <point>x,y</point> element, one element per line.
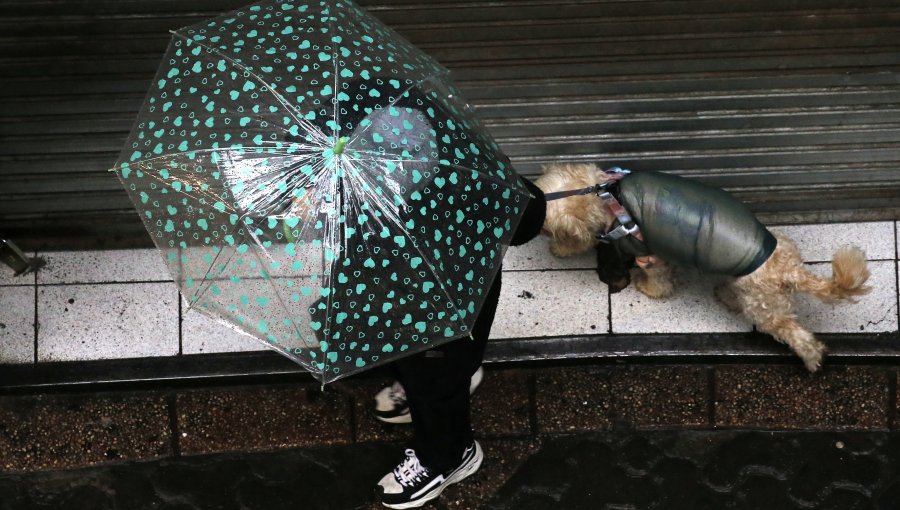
<point>613,267</point>
<point>569,235</point>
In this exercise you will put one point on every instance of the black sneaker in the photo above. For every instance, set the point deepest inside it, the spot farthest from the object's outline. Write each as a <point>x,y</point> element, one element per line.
<point>391,406</point>
<point>412,485</point>
<point>390,402</point>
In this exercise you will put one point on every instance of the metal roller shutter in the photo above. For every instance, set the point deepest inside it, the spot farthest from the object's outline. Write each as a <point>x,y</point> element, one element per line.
<point>792,104</point>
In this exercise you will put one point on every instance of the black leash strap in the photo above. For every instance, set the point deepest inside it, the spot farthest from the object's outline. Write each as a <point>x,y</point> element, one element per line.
<point>615,173</point>
<point>556,195</point>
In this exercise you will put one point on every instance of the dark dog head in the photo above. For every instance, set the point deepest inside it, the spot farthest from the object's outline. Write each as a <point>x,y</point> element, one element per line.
<point>613,267</point>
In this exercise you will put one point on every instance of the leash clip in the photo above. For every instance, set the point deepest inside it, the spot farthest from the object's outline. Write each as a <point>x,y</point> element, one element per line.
<point>623,230</point>
<point>627,225</point>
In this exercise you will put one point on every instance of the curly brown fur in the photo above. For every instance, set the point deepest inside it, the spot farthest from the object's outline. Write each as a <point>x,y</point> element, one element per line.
<point>656,280</point>
<point>764,296</point>
<point>572,223</point>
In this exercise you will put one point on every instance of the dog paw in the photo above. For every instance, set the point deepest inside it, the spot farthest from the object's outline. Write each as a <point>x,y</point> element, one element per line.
<point>653,287</point>
<point>812,357</point>
<point>725,295</point>
<point>617,285</point>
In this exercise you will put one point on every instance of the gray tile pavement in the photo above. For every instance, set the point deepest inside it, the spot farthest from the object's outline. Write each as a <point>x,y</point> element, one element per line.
<point>535,256</point>
<point>551,303</point>
<point>17,324</point>
<point>691,309</point>
<point>872,313</point>
<point>103,266</point>
<point>124,304</point>
<point>107,321</point>
<point>201,334</point>
<point>818,242</point>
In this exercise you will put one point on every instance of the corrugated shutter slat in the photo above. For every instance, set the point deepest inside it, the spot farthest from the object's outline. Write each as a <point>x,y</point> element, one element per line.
<point>792,105</point>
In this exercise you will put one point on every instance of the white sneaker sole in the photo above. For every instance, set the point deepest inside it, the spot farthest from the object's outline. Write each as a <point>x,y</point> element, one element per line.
<point>459,475</point>
<point>407,418</point>
<point>399,419</point>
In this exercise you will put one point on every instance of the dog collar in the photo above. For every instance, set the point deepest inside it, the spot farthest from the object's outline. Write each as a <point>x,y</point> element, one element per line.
<point>627,226</point>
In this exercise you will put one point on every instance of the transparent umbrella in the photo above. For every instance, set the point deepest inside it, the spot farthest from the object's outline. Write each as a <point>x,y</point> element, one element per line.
<point>315,181</point>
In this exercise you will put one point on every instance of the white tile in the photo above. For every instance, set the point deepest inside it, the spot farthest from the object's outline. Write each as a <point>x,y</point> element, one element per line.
<point>8,277</point>
<point>818,242</point>
<point>693,308</point>
<point>17,324</point>
<point>551,303</point>
<point>84,322</point>
<point>202,334</point>
<point>535,254</point>
<point>873,313</point>
<point>103,266</point>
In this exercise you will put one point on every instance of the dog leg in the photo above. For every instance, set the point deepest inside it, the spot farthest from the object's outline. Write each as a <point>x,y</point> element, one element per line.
<point>771,313</point>
<point>727,296</point>
<point>655,280</point>
<point>787,330</point>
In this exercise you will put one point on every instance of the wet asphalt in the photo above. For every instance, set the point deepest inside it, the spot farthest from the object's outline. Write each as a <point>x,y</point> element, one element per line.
<point>570,436</point>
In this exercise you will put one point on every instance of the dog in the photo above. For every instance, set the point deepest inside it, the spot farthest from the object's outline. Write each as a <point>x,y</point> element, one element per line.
<point>666,221</point>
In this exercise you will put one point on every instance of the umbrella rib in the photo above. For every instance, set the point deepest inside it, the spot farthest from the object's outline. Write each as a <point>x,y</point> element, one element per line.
<point>307,126</point>
<point>205,288</point>
<point>275,289</point>
<point>335,130</point>
<point>380,156</point>
<point>164,156</point>
<point>262,176</point>
<point>387,207</point>
<point>398,158</point>
<point>208,151</point>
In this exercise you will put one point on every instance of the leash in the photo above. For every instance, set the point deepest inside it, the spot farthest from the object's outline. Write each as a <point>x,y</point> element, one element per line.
<point>590,190</point>
<point>627,225</point>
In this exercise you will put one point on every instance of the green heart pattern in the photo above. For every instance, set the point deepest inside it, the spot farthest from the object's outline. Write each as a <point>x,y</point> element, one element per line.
<point>315,181</point>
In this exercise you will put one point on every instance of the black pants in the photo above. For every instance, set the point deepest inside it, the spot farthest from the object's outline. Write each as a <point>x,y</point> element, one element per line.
<point>437,390</point>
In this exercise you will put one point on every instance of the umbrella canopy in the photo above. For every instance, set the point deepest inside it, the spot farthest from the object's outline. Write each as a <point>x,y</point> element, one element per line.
<point>315,181</point>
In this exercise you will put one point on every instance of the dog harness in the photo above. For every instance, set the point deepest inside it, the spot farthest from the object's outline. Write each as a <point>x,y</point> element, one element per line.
<point>605,190</point>
<point>684,222</point>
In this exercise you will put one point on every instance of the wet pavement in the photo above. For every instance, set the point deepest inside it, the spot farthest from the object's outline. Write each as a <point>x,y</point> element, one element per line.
<point>572,436</point>
<point>615,470</point>
<point>709,470</point>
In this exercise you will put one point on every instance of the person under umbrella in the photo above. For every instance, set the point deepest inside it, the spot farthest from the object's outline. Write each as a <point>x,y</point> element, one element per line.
<point>436,383</point>
<point>347,247</point>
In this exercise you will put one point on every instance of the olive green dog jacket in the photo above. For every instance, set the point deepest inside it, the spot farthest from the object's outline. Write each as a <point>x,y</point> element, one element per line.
<point>690,224</point>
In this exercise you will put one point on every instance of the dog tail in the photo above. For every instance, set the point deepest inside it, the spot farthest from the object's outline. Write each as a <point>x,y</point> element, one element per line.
<point>849,273</point>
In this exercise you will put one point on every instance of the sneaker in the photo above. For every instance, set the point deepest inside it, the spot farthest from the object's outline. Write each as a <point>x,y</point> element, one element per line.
<point>411,484</point>
<point>390,402</point>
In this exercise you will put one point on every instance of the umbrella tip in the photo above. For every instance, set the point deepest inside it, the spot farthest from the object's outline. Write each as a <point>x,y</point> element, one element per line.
<point>339,146</point>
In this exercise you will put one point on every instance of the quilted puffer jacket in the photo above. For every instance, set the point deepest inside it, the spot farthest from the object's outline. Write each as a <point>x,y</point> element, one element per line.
<point>688,223</point>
